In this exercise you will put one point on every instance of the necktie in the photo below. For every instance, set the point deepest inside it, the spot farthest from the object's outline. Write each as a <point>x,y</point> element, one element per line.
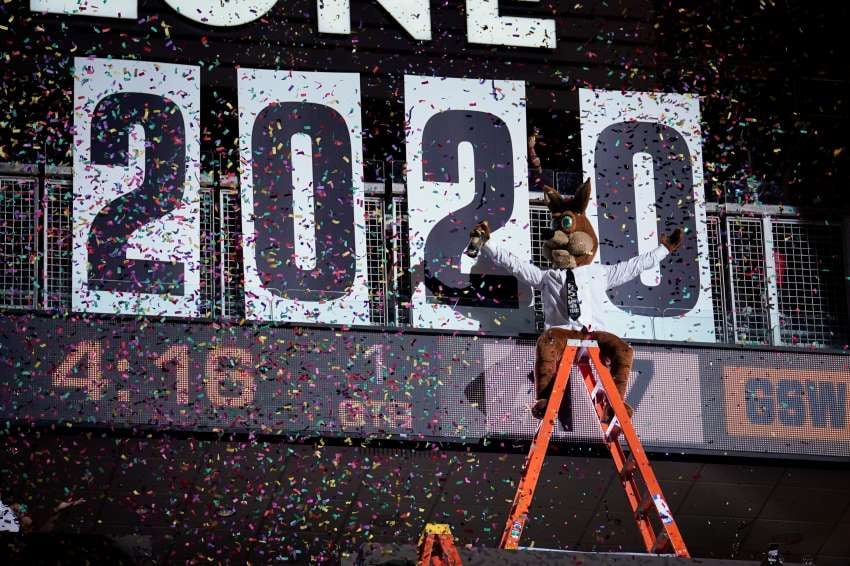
<point>570,296</point>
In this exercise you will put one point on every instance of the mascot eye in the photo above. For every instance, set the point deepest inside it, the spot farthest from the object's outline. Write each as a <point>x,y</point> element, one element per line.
<point>567,222</point>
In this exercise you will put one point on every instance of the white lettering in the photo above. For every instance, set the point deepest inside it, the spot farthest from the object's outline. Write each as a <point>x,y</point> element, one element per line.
<point>484,25</point>
<point>222,14</point>
<point>413,15</point>
<point>102,8</point>
<point>483,22</point>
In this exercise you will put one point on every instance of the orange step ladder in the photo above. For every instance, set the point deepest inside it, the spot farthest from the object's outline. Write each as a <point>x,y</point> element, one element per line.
<point>645,497</point>
<point>437,547</point>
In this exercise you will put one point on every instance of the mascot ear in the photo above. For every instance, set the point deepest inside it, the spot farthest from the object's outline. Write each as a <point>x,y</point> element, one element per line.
<point>553,198</point>
<point>579,202</point>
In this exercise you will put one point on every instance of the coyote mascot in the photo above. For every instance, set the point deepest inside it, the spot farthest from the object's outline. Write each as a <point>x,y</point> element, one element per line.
<point>573,290</point>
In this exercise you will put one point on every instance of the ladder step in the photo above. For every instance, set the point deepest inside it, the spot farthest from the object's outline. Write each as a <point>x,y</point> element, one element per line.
<point>613,430</point>
<point>662,542</point>
<point>645,504</point>
<point>597,389</point>
<point>628,468</point>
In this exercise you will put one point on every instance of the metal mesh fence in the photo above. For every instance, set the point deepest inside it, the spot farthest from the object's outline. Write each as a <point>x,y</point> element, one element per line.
<point>804,259</point>
<point>747,273</point>
<point>18,242</point>
<point>207,255</point>
<point>539,220</point>
<point>401,285</point>
<point>810,283</point>
<point>58,223</point>
<point>718,279</point>
<point>376,261</point>
<point>230,251</point>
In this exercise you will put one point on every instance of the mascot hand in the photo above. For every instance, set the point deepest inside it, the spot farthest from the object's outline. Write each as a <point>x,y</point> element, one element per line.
<point>481,230</point>
<point>532,154</point>
<point>477,238</point>
<point>674,241</point>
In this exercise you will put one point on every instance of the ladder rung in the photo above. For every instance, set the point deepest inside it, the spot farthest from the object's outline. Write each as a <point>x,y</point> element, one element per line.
<point>613,430</point>
<point>645,504</point>
<point>596,390</point>
<point>662,541</point>
<point>629,467</point>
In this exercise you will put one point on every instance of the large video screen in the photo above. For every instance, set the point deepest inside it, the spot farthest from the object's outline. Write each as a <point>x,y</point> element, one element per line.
<point>408,386</point>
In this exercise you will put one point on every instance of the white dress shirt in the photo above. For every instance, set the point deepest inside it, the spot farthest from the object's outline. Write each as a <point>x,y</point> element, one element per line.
<point>592,282</point>
<point>8,522</point>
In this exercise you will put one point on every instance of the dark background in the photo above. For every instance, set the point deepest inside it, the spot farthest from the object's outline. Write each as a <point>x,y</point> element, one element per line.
<point>773,77</point>
<point>222,499</point>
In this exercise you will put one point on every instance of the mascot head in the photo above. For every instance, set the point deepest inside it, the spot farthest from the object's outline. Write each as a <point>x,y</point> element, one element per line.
<point>570,241</point>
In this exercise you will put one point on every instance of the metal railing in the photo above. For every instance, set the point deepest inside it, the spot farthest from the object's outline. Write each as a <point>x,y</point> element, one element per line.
<point>58,215</point>
<point>784,282</point>
<point>209,282</point>
<point>777,278</point>
<point>232,298</point>
<point>19,245</point>
<point>376,261</point>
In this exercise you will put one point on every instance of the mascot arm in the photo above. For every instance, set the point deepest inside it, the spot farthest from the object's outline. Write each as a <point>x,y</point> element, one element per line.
<point>627,270</point>
<point>524,271</point>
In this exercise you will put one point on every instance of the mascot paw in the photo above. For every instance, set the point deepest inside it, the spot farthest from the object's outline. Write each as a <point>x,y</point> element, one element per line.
<point>477,238</point>
<point>532,154</point>
<point>481,230</point>
<point>539,408</point>
<point>674,241</point>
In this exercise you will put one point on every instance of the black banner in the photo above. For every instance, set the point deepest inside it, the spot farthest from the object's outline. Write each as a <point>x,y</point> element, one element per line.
<point>349,383</point>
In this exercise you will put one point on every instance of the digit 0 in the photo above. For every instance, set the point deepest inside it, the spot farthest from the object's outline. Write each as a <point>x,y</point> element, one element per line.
<point>674,206</point>
<point>331,271</point>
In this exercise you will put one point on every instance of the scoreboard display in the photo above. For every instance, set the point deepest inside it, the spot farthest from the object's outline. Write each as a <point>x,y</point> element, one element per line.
<point>409,386</point>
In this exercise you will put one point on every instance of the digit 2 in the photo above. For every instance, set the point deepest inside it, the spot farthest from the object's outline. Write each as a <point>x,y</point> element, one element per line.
<point>160,192</point>
<point>494,201</point>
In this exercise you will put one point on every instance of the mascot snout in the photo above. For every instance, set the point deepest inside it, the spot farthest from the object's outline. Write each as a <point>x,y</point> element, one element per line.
<point>558,240</point>
<point>580,244</point>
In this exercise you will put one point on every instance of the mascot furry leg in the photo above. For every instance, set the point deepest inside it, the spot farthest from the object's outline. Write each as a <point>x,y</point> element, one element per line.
<point>550,347</point>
